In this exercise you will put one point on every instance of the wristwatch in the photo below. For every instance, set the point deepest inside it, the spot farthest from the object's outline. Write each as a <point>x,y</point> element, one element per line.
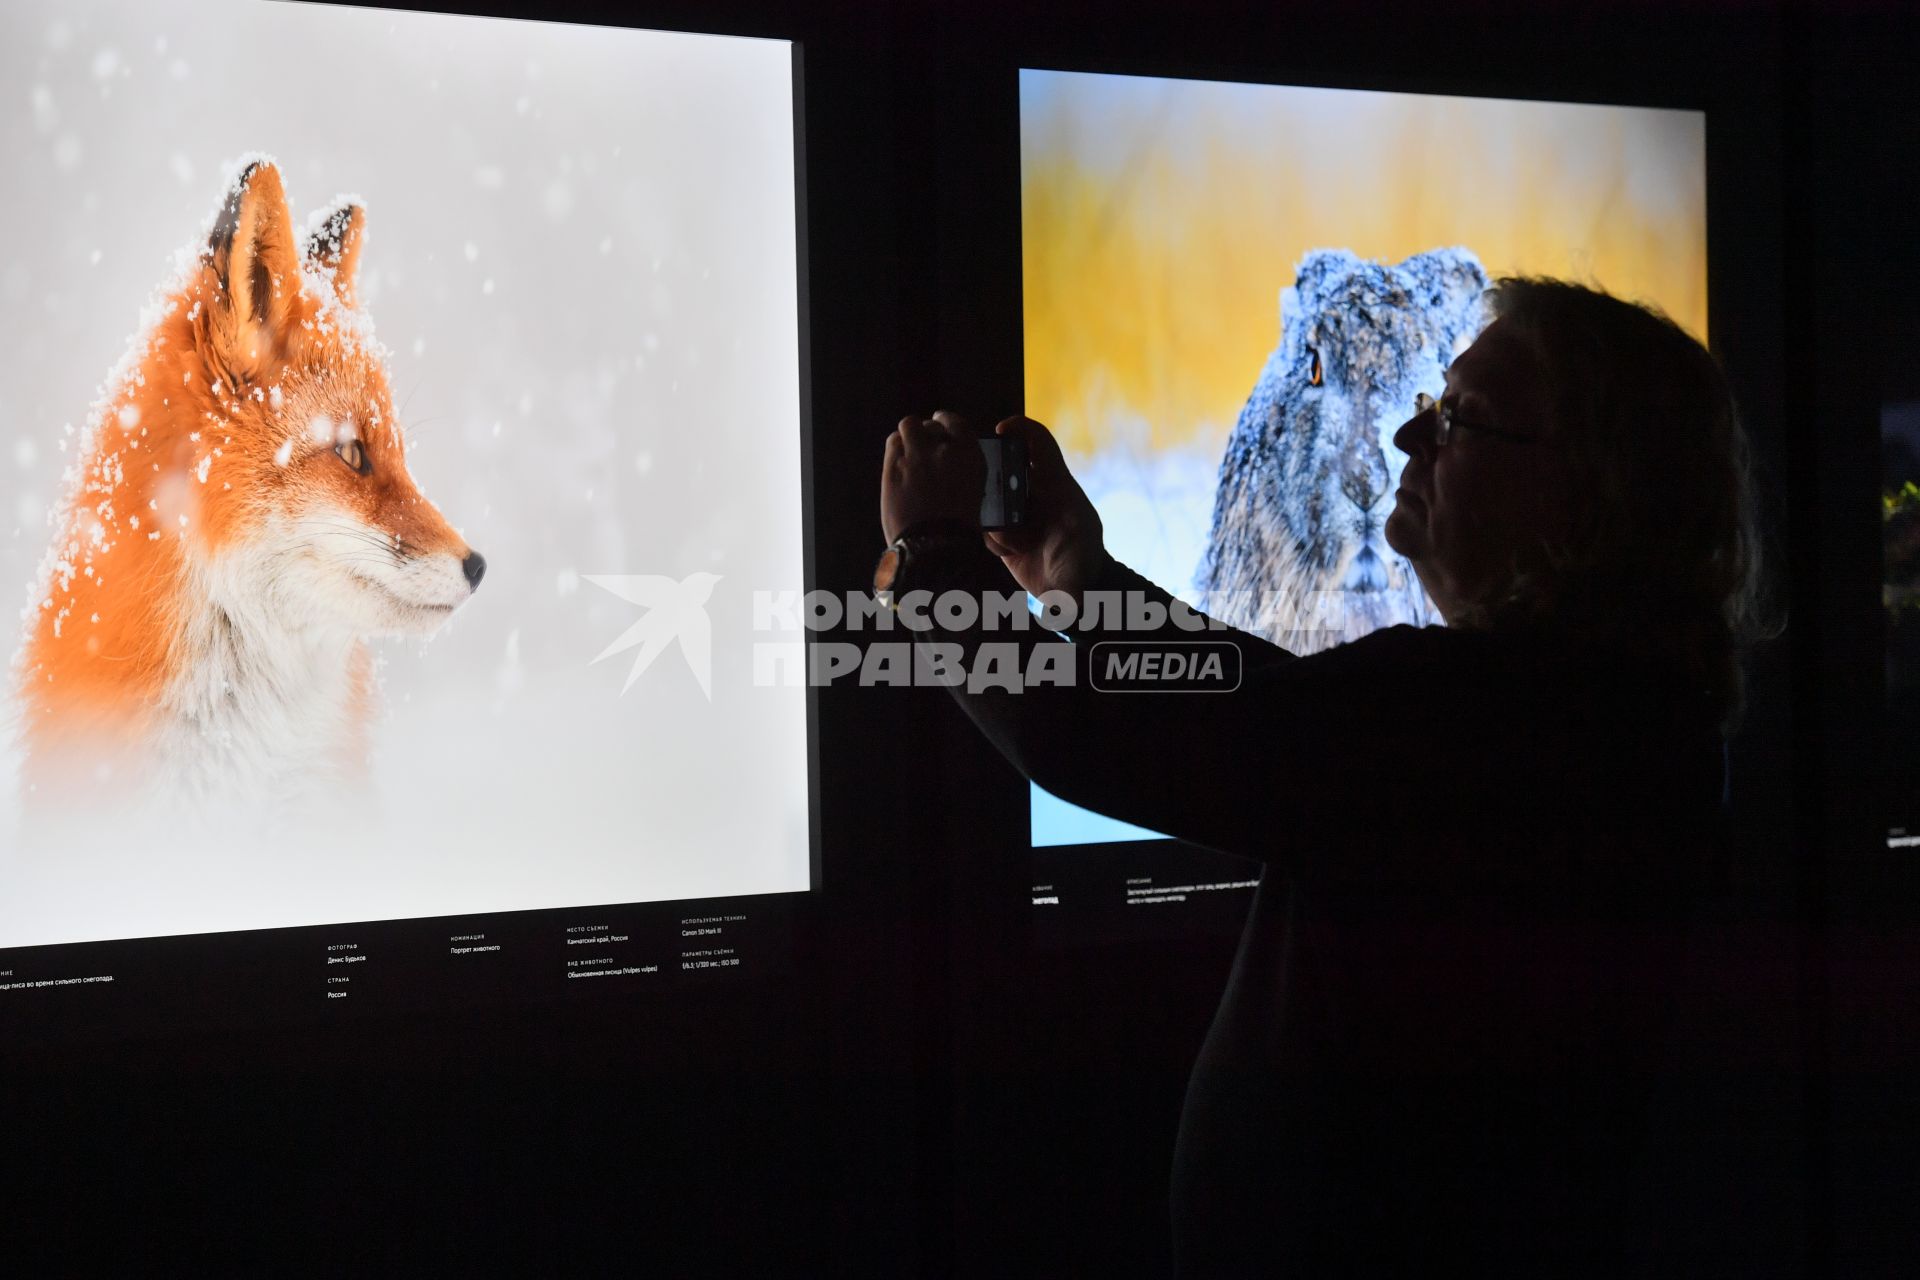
<point>891,576</point>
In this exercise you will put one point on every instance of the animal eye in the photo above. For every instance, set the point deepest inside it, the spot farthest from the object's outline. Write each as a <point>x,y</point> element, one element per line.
<point>354,454</point>
<point>1315,377</point>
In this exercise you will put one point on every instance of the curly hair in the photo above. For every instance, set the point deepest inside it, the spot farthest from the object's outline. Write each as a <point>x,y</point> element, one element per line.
<point>1664,559</point>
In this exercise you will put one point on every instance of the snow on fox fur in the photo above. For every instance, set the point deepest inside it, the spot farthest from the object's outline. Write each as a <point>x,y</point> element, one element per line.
<point>240,519</point>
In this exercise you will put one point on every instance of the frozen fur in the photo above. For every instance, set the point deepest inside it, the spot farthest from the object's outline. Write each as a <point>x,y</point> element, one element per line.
<point>1296,552</point>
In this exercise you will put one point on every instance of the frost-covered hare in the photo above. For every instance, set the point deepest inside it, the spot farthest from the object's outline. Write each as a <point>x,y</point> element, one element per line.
<point>1297,552</point>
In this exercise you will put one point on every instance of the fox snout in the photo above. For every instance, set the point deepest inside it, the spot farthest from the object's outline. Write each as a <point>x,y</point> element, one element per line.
<point>475,567</point>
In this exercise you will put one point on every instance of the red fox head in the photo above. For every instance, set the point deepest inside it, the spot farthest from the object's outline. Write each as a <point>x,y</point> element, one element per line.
<point>303,497</point>
<point>241,517</point>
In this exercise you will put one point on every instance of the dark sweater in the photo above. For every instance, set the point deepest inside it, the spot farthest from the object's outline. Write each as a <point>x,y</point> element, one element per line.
<point>1481,853</point>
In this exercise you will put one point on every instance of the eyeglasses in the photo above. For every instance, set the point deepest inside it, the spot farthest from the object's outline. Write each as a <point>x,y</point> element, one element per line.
<point>1448,420</point>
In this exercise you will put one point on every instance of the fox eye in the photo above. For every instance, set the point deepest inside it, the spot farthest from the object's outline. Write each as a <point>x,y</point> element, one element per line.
<point>354,454</point>
<point>1317,375</point>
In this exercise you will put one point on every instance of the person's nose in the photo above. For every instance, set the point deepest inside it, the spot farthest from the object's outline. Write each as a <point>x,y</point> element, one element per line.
<point>1416,434</point>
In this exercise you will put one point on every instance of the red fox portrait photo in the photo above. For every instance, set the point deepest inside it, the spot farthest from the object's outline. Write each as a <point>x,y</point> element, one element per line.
<point>241,521</point>
<point>263,676</point>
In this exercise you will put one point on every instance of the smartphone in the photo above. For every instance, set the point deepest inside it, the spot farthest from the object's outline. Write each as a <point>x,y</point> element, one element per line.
<point>1004,504</point>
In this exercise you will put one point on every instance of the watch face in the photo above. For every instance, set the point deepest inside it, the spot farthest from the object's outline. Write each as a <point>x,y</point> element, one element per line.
<point>888,569</point>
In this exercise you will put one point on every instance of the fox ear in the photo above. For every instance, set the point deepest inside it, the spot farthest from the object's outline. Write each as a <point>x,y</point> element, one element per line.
<point>334,237</point>
<point>252,251</point>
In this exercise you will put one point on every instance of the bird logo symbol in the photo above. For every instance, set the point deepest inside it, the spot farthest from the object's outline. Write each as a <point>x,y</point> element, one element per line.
<point>675,611</point>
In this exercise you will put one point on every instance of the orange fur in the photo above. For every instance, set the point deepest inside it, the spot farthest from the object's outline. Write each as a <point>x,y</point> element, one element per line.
<point>199,447</point>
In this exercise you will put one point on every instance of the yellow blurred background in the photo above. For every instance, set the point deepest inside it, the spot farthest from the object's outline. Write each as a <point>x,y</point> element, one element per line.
<point>1162,218</point>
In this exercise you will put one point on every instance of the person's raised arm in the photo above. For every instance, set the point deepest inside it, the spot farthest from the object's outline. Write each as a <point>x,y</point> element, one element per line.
<point>1203,767</point>
<point>1060,549</point>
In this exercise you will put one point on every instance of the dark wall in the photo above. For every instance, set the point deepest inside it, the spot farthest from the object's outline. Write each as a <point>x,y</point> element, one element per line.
<point>1858,306</point>
<point>930,1093</point>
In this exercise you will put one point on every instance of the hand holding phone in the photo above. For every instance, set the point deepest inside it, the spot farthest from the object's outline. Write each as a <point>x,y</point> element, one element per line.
<point>1058,544</point>
<point>1009,478</point>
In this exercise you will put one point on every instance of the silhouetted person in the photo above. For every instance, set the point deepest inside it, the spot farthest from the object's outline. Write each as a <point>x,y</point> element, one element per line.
<point>1482,841</point>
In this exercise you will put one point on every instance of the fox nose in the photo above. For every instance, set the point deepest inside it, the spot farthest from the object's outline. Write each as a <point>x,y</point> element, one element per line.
<point>475,567</point>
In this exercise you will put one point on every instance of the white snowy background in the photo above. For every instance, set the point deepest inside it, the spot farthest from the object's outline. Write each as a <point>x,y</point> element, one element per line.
<point>581,251</point>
